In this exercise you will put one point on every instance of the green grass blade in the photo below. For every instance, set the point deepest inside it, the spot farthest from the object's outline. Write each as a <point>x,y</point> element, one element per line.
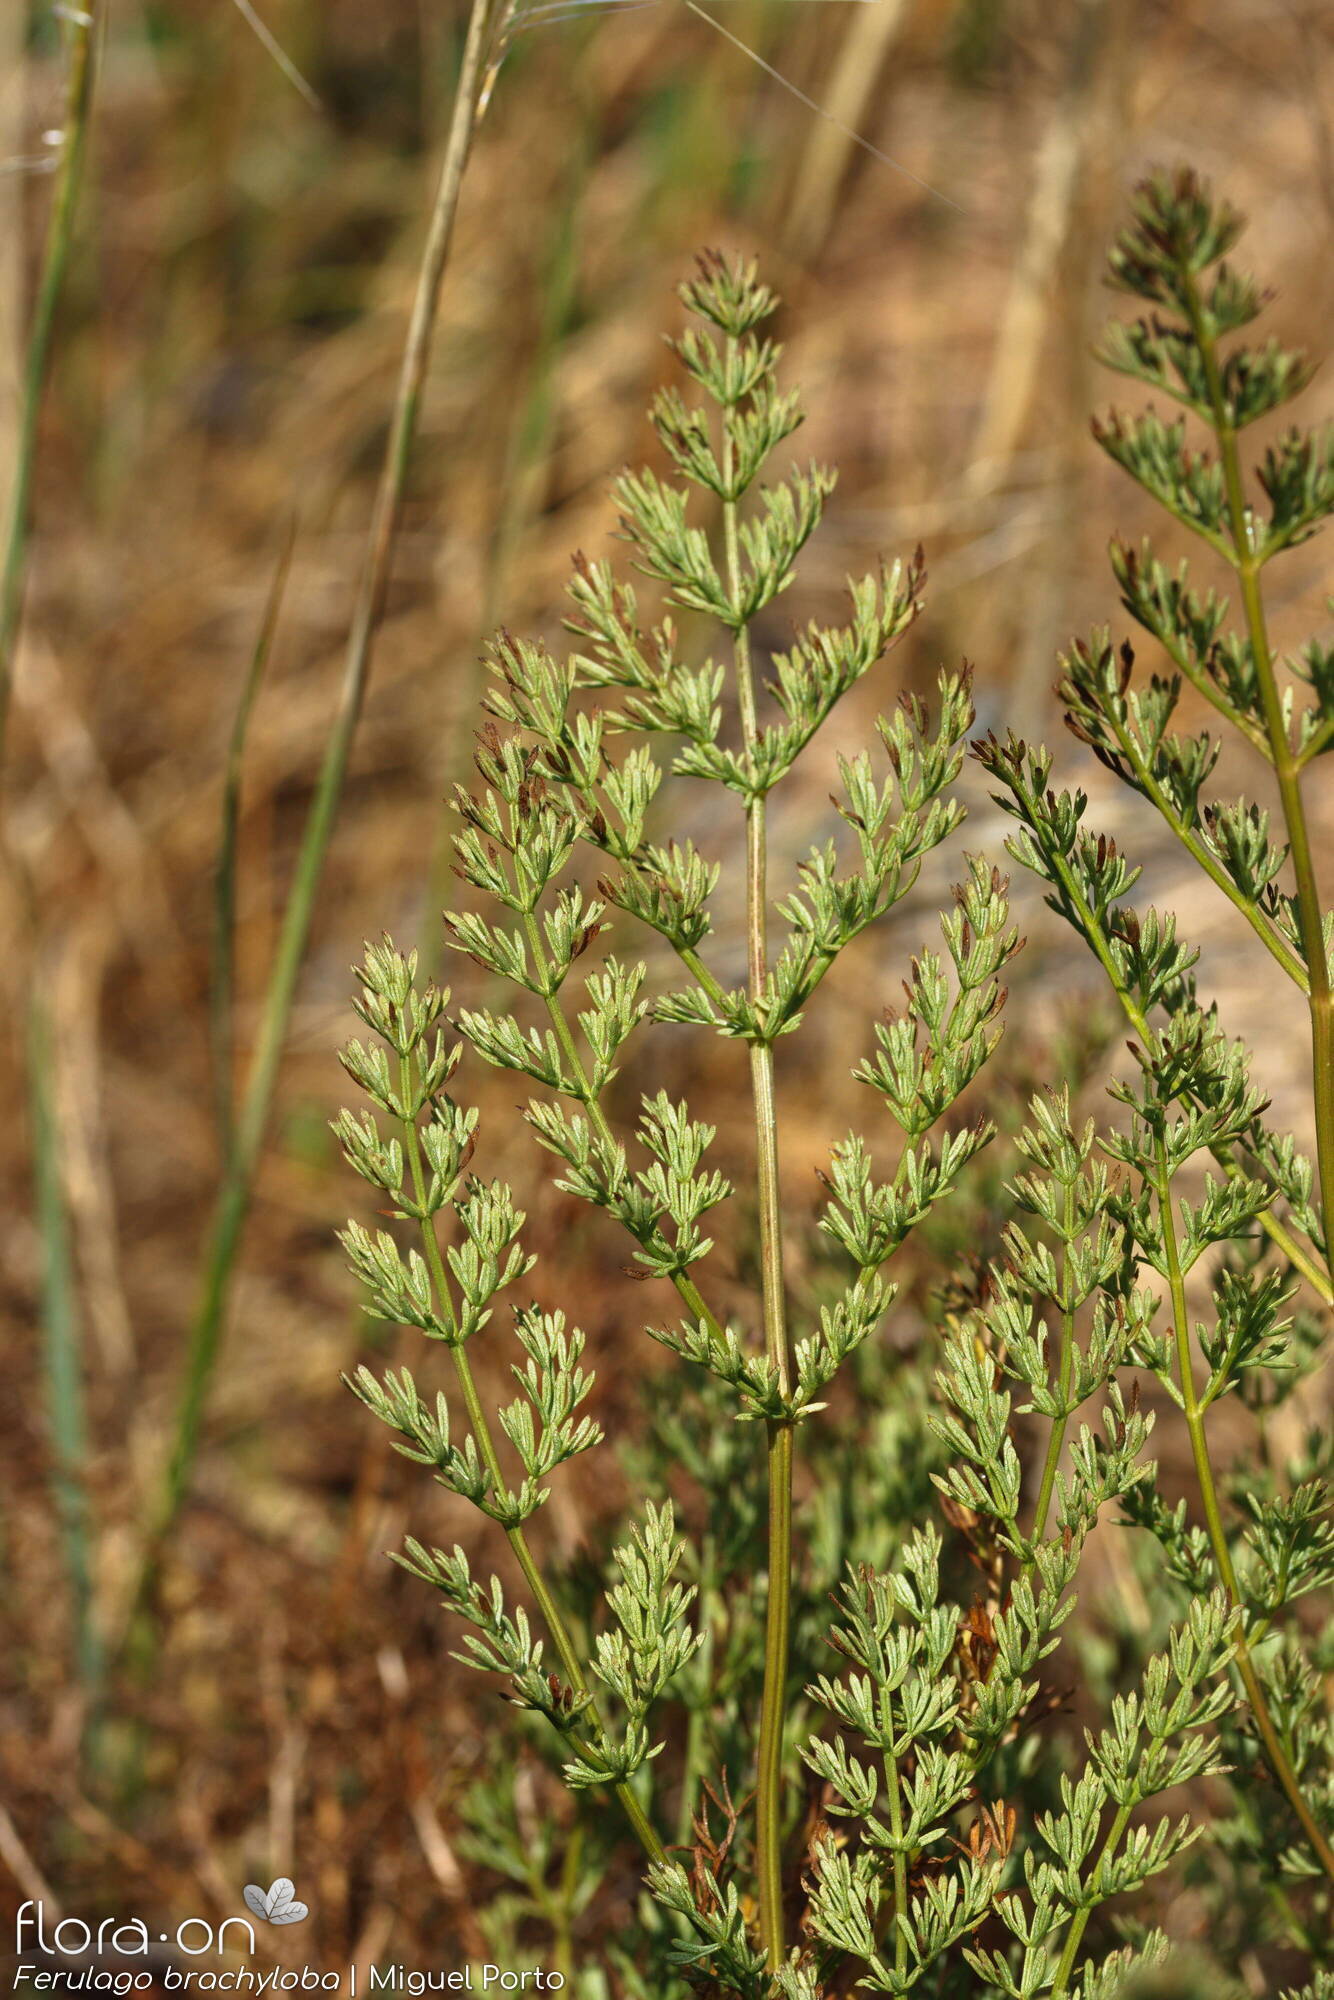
<point>61,1343</point>
<point>222,980</point>
<point>233,1201</point>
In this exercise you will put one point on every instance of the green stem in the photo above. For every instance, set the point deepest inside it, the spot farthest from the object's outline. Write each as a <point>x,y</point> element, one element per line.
<point>62,1359</point>
<point>81,29</point>
<point>486,1444</point>
<point>1316,743</point>
<point>1274,943</point>
<point>773,1701</point>
<point>1181,657</point>
<point>686,1289</point>
<point>233,1200</point>
<point>1079,1922</point>
<point>1056,1442</point>
<point>631,859</point>
<point>1287,766</point>
<point>895,1799</point>
<point>1313,1270</point>
<point>222,978</point>
<point>769,1799</point>
<point>697,1722</point>
<point>1277,1753</point>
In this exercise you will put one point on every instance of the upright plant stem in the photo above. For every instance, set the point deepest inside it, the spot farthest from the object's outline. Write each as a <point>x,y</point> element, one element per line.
<point>696,1721</point>
<point>1275,1749</point>
<point>1180,825</point>
<point>894,1793</point>
<point>60,1319</point>
<point>769,1814</point>
<point>81,27</point>
<point>1066,1366</point>
<point>1287,770</point>
<point>1304,1260</point>
<point>252,1120</point>
<point>1079,1922</point>
<point>60,1332</point>
<point>222,978</point>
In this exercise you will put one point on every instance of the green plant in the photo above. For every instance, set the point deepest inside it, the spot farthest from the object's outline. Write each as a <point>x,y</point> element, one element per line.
<point>1195,1083</point>
<point>1193,1101</point>
<point>62,1337</point>
<point>955,1837</point>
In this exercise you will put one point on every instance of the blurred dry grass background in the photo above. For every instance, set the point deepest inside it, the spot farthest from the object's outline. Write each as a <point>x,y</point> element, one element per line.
<point>226,358</point>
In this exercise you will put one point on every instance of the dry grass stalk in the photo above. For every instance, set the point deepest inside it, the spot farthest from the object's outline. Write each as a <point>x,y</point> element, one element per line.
<point>863,52</point>
<point>242,1161</point>
<point>81,27</point>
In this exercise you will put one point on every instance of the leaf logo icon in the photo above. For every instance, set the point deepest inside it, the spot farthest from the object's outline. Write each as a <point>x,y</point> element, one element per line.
<point>277,1904</point>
